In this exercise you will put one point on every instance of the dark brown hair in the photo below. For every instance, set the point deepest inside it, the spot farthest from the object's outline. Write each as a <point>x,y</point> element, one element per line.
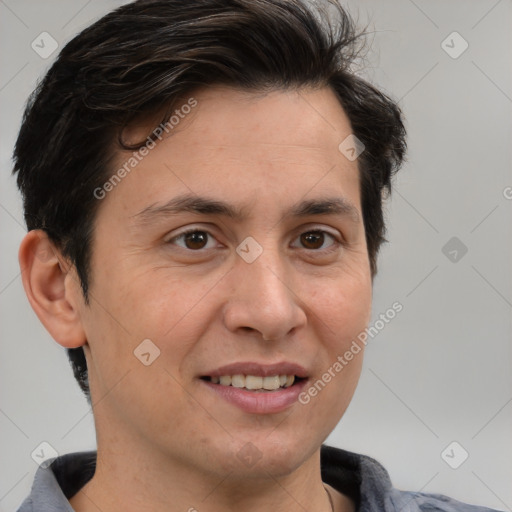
<point>141,57</point>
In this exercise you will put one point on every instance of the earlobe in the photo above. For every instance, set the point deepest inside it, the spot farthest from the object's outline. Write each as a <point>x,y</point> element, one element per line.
<point>52,289</point>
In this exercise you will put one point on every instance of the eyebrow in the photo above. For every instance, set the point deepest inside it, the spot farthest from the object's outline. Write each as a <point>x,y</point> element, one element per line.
<point>208,206</point>
<point>326,206</point>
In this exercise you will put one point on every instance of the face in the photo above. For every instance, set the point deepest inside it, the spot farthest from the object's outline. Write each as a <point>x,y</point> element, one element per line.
<point>237,247</point>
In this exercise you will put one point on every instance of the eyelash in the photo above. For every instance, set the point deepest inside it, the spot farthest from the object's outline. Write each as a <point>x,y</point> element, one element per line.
<point>336,243</point>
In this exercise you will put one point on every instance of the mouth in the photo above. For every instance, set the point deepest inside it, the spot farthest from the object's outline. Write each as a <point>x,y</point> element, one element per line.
<point>257,388</point>
<point>257,383</point>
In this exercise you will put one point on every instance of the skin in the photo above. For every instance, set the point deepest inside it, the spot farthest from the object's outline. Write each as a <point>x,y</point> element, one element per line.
<point>165,441</point>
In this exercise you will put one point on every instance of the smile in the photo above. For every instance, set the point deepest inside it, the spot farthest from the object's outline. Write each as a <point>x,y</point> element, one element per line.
<point>254,382</point>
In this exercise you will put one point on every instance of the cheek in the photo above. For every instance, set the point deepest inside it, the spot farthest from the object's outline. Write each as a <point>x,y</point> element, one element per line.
<point>152,302</point>
<point>342,313</point>
<point>343,309</point>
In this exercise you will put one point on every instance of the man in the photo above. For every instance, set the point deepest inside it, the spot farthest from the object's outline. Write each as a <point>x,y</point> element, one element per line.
<point>203,186</point>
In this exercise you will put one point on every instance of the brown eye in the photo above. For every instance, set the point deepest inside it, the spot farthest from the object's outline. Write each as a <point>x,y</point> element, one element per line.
<point>312,239</point>
<point>194,240</point>
<point>317,241</point>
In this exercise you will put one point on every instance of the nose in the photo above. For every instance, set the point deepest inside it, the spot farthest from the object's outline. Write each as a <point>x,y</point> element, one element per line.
<point>263,299</point>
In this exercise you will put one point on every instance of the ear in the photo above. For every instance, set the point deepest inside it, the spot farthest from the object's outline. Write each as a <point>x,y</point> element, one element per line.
<point>52,289</point>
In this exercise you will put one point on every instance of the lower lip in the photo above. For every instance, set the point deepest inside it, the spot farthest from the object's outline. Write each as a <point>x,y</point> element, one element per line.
<point>259,402</point>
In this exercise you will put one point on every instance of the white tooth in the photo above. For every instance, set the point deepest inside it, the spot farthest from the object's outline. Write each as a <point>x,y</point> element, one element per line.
<point>238,381</point>
<point>215,380</point>
<point>282,380</point>
<point>253,382</point>
<point>225,380</point>
<point>271,382</point>
<point>290,379</point>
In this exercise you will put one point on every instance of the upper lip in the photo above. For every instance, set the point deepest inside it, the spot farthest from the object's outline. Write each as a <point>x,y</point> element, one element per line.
<point>259,369</point>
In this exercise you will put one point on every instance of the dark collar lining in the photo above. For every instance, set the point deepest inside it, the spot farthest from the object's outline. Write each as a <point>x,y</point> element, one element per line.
<point>341,470</point>
<point>73,471</point>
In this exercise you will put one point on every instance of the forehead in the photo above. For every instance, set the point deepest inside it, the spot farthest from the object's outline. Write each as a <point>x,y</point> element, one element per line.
<point>293,120</point>
<point>240,144</point>
<point>225,114</point>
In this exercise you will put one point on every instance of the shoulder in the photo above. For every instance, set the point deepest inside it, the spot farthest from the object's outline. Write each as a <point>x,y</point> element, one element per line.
<point>408,501</point>
<point>368,484</point>
<point>57,480</point>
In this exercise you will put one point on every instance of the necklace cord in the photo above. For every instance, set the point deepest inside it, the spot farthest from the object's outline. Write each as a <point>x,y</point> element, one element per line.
<point>330,498</point>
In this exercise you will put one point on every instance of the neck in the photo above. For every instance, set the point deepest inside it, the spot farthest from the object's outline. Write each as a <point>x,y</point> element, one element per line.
<point>126,481</point>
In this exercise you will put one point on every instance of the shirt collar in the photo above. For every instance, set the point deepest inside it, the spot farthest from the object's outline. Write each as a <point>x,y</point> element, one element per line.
<point>360,477</point>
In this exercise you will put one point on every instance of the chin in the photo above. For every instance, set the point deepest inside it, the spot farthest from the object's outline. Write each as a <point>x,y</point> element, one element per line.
<point>254,457</point>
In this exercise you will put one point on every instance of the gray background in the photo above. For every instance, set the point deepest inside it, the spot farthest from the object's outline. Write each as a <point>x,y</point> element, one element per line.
<point>440,371</point>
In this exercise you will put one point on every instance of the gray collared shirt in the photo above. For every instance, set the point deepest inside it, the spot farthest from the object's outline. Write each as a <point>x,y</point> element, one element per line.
<point>358,476</point>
